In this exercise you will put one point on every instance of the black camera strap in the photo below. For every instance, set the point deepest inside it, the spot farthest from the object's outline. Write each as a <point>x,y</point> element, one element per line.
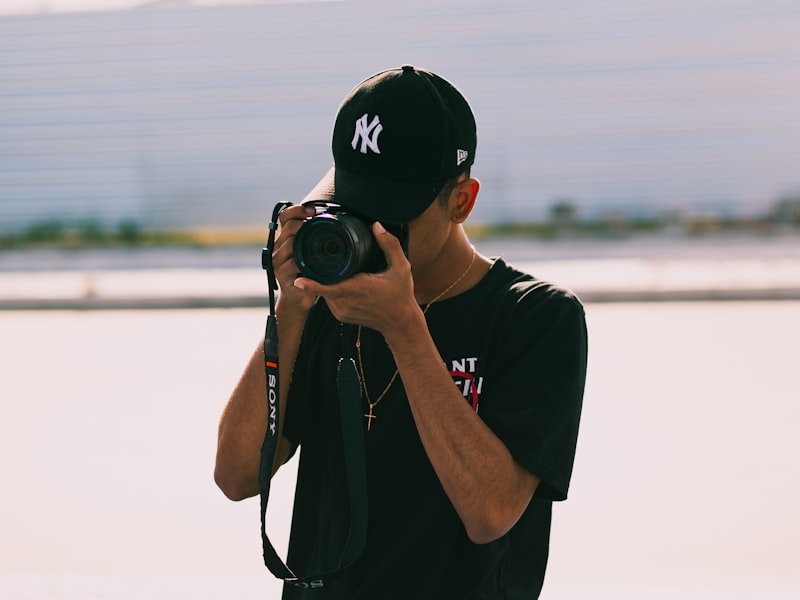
<point>349,389</point>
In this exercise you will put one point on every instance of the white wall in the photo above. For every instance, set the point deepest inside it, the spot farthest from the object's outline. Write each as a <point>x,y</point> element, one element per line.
<point>209,115</point>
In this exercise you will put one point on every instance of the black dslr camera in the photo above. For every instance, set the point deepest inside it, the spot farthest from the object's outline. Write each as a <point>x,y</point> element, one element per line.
<point>335,244</point>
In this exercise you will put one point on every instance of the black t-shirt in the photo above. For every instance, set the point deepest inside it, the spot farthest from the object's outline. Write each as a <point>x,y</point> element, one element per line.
<point>516,348</point>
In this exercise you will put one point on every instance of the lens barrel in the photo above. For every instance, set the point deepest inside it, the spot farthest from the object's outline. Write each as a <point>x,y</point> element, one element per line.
<point>331,247</point>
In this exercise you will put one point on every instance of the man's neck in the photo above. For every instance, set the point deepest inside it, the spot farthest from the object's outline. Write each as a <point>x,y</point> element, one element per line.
<point>456,270</point>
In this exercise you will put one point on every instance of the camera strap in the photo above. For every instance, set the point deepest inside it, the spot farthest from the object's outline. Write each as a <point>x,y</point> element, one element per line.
<point>349,389</point>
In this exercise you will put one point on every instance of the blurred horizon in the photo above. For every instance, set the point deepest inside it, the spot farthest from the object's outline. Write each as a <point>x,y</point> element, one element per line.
<point>186,114</point>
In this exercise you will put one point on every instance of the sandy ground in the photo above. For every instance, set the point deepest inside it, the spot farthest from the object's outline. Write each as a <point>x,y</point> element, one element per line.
<point>685,482</point>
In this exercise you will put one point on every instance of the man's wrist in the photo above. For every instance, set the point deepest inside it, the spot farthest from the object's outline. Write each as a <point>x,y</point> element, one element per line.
<point>286,309</point>
<point>405,331</point>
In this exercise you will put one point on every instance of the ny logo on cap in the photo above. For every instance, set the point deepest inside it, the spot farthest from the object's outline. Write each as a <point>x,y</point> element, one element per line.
<point>368,133</point>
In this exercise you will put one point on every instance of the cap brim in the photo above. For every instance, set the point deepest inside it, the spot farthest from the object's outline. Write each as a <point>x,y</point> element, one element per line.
<point>392,202</point>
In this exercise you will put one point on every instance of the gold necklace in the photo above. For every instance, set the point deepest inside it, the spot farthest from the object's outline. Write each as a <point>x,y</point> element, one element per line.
<point>372,405</point>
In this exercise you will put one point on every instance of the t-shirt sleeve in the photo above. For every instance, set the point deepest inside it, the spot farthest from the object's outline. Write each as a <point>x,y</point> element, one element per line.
<point>534,398</point>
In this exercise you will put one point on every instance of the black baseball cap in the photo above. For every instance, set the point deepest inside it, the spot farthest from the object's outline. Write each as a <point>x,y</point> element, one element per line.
<point>398,137</point>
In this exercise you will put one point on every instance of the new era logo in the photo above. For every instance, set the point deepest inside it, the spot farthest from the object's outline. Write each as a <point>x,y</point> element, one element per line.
<point>461,156</point>
<point>368,134</point>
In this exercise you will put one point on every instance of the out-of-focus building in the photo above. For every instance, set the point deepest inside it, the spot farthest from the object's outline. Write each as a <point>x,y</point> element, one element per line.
<point>180,116</point>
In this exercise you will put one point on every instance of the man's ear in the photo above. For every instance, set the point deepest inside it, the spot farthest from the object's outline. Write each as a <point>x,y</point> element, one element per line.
<point>465,194</point>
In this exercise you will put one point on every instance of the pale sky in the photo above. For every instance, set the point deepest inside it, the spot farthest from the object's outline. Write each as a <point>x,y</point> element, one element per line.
<point>10,7</point>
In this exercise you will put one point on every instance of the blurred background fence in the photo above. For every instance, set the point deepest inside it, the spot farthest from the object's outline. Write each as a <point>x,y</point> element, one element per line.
<point>174,115</point>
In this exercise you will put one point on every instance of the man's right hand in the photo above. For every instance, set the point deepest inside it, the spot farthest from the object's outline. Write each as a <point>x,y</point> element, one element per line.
<point>286,270</point>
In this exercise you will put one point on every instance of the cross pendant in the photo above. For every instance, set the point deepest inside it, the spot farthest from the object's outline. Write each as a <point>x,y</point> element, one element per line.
<point>370,416</point>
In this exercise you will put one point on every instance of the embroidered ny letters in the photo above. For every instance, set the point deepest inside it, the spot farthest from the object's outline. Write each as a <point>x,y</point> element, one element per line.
<point>368,133</point>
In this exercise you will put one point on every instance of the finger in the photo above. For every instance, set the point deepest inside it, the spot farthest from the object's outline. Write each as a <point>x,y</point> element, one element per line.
<point>388,243</point>
<point>298,212</point>
<point>311,286</point>
<point>291,219</point>
<point>330,291</point>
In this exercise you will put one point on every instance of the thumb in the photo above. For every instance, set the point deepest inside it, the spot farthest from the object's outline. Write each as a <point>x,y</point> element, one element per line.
<point>388,243</point>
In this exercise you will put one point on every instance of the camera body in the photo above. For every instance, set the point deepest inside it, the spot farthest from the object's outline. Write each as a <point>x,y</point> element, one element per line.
<point>336,243</point>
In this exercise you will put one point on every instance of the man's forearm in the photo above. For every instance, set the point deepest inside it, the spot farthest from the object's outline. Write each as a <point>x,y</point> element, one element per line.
<point>486,486</point>
<point>241,432</point>
<point>244,420</point>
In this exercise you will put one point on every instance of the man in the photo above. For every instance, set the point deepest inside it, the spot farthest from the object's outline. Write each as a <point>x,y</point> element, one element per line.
<point>471,373</point>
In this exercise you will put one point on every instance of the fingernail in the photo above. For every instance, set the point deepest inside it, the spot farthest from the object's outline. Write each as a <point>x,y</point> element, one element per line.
<point>379,228</point>
<point>299,284</point>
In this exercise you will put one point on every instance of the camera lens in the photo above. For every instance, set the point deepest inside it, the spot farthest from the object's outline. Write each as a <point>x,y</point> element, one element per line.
<point>327,251</point>
<point>329,248</point>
